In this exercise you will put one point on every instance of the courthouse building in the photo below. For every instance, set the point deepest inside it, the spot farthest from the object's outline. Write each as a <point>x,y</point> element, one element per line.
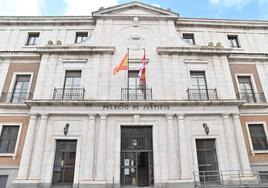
<point>201,120</point>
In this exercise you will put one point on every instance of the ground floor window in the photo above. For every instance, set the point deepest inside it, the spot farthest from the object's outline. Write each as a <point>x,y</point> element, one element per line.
<point>64,162</point>
<point>264,176</point>
<point>3,181</point>
<point>207,161</point>
<point>136,156</point>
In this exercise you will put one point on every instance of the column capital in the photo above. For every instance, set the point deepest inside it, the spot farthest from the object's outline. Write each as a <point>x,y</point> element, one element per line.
<point>91,116</point>
<point>33,116</point>
<point>236,116</point>
<point>44,116</point>
<point>225,116</point>
<point>103,116</point>
<point>169,116</point>
<point>180,116</point>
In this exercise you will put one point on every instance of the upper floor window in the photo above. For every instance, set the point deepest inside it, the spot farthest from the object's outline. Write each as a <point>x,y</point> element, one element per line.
<point>233,41</point>
<point>246,91</point>
<point>72,79</point>
<point>8,139</point>
<point>80,36</point>
<point>32,39</point>
<point>188,37</point>
<point>258,136</point>
<point>21,88</point>
<point>198,80</point>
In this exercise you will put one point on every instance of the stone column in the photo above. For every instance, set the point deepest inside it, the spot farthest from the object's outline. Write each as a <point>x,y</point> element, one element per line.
<point>230,143</point>
<point>27,149</point>
<point>89,145</point>
<point>242,151</point>
<point>184,157</point>
<point>101,150</point>
<point>172,154</point>
<point>39,148</point>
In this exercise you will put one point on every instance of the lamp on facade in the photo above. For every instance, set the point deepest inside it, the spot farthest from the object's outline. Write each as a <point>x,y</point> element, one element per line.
<point>206,128</point>
<point>134,142</point>
<point>66,129</point>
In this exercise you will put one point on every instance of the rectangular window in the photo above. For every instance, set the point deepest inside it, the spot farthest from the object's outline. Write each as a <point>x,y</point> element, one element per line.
<point>72,79</point>
<point>8,139</point>
<point>264,176</point>
<point>198,89</point>
<point>207,161</point>
<point>64,162</point>
<point>258,137</point>
<point>32,39</point>
<point>245,89</point>
<point>21,87</point>
<point>136,91</point>
<point>188,37</point>
<point>72,86</point>
<point>3,181</point>
<point>233,41</point>
<point>80,36</point>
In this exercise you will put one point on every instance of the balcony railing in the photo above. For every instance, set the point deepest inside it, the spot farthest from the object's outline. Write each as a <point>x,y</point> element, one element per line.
<point>71,94</point>
<point>136,94</point>
<point>252,97</point>
<point>15,97</point>
<point>228,178</point>
<point>202,94</point>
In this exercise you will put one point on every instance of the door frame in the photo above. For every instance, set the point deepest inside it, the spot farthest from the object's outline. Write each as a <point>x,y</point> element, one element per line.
<point>117,156</point>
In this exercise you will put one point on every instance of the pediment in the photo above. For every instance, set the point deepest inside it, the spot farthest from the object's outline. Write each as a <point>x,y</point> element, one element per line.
<point>135,9</point>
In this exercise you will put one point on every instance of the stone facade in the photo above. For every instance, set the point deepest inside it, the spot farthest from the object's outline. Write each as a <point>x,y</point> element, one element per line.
<point>176,117</point>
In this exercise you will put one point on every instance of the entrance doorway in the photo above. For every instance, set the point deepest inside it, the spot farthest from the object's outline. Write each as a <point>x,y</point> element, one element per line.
<point>136,156</point>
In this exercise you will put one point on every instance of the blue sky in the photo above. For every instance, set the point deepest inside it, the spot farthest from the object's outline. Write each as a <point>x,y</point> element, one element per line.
<point>228,9</point>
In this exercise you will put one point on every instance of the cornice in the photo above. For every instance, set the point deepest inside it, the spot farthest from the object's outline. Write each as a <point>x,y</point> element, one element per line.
<point>222,23</point>
<point>46,20</point>
<point>193,50</point>
<point>77,49</point>
<point>120,102</point>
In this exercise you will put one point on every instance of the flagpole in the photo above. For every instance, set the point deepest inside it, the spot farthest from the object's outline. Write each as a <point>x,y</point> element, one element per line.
<point>127,73</point>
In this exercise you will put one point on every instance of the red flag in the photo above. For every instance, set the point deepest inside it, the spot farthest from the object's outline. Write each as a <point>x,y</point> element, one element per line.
<point>123,65</point>
<point>142,71</point>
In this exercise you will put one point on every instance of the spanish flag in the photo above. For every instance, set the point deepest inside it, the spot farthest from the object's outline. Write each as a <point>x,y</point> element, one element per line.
<point>123,65</point>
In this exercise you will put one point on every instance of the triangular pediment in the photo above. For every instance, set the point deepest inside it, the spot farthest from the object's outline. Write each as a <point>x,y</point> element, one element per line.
<point>135,9</point>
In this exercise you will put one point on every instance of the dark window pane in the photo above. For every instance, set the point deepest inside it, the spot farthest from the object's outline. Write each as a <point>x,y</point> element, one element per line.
<point>233,41</point>
<point>8,139</point>
<point>258,137</point>
<point>32,39</point>
<point>188,37</point>
<point>80,36</point>
<point>20,91</point>
<point>264,176</point>
<point>3,181</point>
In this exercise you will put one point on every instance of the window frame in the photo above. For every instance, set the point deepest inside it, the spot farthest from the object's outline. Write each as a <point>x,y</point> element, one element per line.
<point>249,136</point>
<point>253,83</point>
<point>28,37</point>
<point>80,32</point>
<point>236,39</point>
<point>15,153</point>
<point>14,79</point>
<point>193,38</point>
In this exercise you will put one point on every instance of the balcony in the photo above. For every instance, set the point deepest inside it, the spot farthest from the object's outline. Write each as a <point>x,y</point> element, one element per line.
<point>15,97</point>
<point>202,94</point>
<point>69,94</point>
<point>136,94</point>
<point>252,97</point>
<point>229,178</point>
